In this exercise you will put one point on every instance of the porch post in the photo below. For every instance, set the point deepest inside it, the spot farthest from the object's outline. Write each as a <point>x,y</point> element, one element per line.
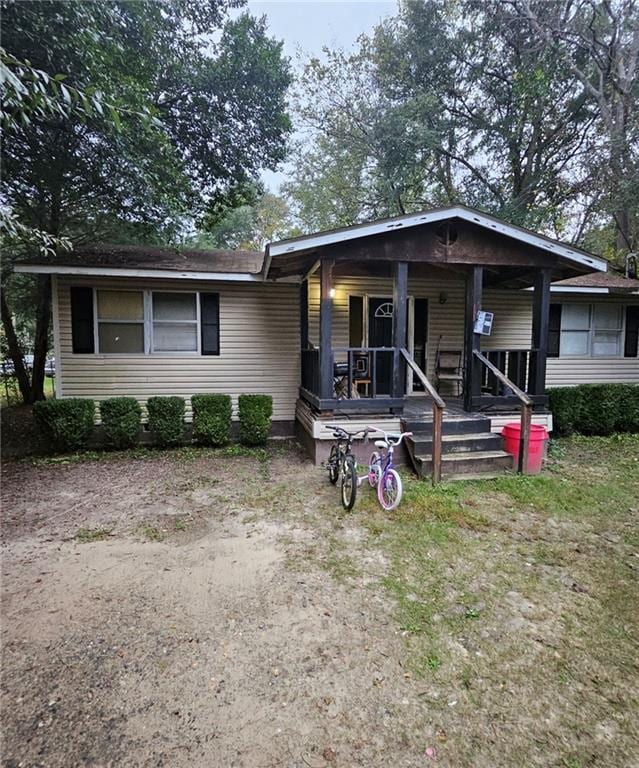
<point>472,340</point>
<point>400,302</point>
<point>304,314</point>
<point>540,322</point>
<point>325,330</point>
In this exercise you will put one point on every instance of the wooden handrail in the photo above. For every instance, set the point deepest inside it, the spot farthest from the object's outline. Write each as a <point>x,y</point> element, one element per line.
<point>438,414</point>
<point>526,410</point>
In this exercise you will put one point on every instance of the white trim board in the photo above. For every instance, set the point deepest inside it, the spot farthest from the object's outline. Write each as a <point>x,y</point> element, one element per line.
<point>52,269</point>
<point>426,217</point>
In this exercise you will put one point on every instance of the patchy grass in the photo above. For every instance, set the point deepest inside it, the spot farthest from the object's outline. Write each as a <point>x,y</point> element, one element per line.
<point>518,596</point>
<point>87,535</point>
<point>151,532</point>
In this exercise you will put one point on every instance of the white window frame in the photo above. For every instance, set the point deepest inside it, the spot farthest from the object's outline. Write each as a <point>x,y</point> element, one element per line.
<point>147,322</point>
<point>621,331</point>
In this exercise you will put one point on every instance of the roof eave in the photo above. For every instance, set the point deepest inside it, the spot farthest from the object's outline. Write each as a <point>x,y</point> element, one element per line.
<point>173,274</point>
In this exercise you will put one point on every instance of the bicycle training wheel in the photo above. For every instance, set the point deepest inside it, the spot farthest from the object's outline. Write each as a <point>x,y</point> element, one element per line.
<point>389,490</point>
<point>374,469</point>
<point>349,483</point>
<point>333,465</point>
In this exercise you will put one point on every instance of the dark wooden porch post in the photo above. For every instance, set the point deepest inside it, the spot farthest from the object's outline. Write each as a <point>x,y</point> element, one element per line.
<point>325,331</point>
<point>472,340</point>
<point>400,302</point>
<point>540,321</point>
<point>304,314</point>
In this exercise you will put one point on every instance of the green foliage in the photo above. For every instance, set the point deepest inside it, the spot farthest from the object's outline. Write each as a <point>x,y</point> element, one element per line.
<point>121,418</point>
<point>166,420</point>
<point>595,409</point>
<point>255,413</point>
<point>68,423</point>
<point>211,419</point>
<point>565,405</point>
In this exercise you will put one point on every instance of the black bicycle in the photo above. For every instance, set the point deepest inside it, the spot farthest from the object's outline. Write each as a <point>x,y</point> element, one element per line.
<point>342,463</point>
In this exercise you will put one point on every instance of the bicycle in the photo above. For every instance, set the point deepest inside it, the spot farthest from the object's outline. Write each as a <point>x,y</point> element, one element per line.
<point>381,472</point>
<point>341,461</point>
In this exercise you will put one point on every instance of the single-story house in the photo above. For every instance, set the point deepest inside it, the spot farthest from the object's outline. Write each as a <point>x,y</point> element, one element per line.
<point>357,323</point>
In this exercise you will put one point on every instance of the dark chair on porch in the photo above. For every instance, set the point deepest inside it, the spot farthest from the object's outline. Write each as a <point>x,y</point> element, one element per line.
<point>448,368</point>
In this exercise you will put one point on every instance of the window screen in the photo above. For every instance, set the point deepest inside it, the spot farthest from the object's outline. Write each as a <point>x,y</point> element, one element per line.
<point>607,329</point>
<point>120,322</point>
<point>575,329</point>
<point>174,322</point>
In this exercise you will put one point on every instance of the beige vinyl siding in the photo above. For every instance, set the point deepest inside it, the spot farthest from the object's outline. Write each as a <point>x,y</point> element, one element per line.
<point>259,349</point>
<point>512,325</point>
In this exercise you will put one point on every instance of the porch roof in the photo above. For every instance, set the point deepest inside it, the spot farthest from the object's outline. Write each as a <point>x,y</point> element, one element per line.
<point>434,244</point>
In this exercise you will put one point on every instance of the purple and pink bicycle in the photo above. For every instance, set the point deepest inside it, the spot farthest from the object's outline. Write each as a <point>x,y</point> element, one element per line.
<point>381,473</point>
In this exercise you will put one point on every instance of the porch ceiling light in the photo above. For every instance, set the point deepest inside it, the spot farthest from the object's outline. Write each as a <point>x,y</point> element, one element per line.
<point>331,293</point>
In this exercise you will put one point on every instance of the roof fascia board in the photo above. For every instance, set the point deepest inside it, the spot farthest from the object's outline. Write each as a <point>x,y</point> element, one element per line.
<point>51,269</point>
<point>374,228</point>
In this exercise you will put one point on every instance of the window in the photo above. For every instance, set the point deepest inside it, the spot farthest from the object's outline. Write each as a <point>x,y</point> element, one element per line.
<point>175,322</point>
<point>591,330</point>
<point>121,321</point>
<point>110,321</point>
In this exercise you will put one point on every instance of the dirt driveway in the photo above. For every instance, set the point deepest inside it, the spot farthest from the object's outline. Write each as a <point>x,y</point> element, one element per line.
<point>207,609</point>
<point>197,632</point>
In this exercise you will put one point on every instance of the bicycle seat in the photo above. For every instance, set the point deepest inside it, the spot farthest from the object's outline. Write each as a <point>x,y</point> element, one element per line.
<point>381,444</point>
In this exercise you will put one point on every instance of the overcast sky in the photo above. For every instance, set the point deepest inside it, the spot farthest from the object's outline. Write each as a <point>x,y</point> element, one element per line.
<point>306,26</point>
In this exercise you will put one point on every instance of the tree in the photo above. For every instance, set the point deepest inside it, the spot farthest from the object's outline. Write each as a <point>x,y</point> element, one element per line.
<point>599,43</point>
<point>454,101</point>
<point>214,116</point>
<point>248,227</point>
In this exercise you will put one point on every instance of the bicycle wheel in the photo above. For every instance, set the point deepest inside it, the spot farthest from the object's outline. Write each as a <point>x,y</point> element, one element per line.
<point>349,483</point>
<point>333,465</point>
<point>389,490</point>
<point>374,469</point>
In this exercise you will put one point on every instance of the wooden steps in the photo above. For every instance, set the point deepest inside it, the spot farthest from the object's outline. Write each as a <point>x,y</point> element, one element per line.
<point>469,448</point>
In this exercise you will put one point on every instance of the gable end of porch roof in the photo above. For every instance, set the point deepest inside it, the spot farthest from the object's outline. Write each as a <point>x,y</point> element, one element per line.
<point>310,247</point>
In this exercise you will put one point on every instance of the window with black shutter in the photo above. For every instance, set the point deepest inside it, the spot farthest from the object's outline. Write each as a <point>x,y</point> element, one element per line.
<point>82,321</point>
<point>210,322</point>
<point>554,330</point>
<point>632,332</point>
<point>355,321</point>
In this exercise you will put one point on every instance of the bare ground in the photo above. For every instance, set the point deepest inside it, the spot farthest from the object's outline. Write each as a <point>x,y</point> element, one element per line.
<point>203,609</point>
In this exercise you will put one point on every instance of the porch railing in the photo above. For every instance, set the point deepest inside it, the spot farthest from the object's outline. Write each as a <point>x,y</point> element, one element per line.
<point>526,408</point>
<point>438,414</point>
<point>516,364</point>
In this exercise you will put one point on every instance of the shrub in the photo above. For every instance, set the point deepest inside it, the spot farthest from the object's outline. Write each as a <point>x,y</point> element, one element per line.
<point>166,420</point>
<point>565,405</point>
<point>595,409</point>
<point>599,414</point>
<point>255,413</point>
<point>68,423</point>
<point>628,408</point>
<point>121,421</point>
<point>211,419</point>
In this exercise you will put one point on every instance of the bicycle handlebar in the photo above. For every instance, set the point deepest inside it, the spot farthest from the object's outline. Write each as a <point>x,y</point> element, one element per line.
<point>391,438</point>
<point>341,431</point>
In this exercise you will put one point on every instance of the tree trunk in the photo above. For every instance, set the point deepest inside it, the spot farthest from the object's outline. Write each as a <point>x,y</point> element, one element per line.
<point>15,353</point>
<point>41,343</point>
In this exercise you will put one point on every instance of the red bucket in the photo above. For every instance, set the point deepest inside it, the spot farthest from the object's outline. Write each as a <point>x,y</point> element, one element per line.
<point>536,445</point>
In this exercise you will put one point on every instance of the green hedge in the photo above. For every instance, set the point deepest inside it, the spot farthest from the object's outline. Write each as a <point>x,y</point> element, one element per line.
<point>67,423</point>
<point>211,419</point>
<point>255,413</point>
<point>121,418</point>
<point>166,420</point>
<point>595,409</point>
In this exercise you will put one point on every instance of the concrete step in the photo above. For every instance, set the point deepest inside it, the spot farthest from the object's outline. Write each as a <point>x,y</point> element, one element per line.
<point>482,441</point>
<point>475,463</point>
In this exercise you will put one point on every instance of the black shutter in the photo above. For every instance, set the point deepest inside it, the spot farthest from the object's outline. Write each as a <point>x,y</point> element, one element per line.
<point>355,321</point>
<point>210,322</point>
<point>554,330</point>
<point>632,332</point>
<point>82,321</point>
